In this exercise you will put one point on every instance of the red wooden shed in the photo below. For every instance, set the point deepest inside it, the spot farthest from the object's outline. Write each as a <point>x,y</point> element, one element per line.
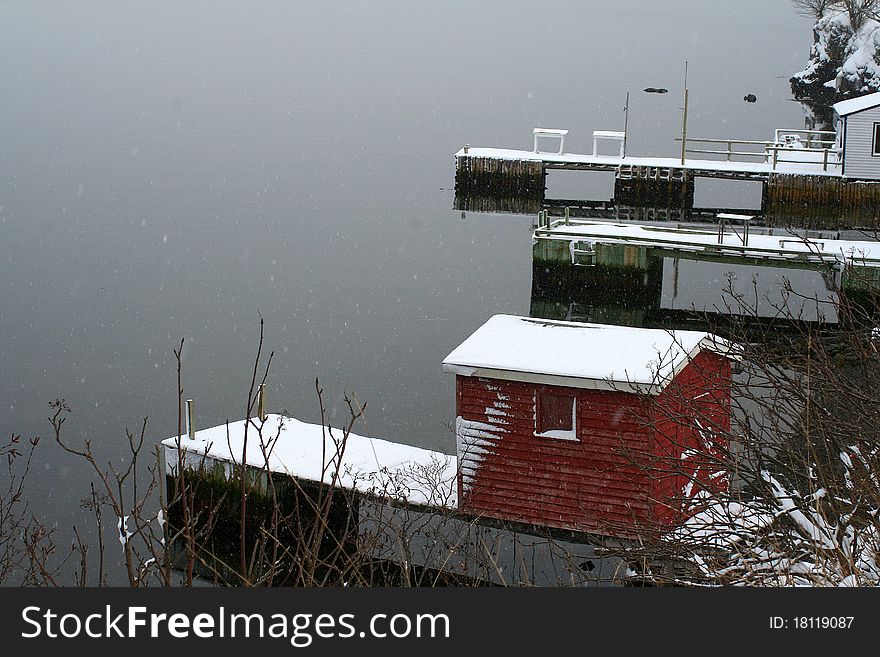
<point>603,429</point>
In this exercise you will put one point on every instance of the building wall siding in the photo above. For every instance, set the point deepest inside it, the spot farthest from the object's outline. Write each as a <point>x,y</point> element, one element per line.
<point>691,425</point>
<point>625,475</point>
<point>596,484</point>
<point>860,163</point>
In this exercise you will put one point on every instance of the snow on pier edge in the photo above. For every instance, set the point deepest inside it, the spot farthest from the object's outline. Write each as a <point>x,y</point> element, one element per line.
<point>309,452</point>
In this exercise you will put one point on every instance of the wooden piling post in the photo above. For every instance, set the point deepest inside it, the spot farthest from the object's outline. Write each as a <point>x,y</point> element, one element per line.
<point>190,419</point>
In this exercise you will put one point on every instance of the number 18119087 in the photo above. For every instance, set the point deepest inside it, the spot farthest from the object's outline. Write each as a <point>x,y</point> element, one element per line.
<point>812,622</point>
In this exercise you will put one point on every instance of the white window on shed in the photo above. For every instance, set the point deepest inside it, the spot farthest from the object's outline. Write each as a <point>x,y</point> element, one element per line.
<point>876,144</point>
<point>555,415</point>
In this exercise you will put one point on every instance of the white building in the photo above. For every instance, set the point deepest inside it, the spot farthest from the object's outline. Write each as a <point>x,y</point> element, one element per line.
<point>858,136</point>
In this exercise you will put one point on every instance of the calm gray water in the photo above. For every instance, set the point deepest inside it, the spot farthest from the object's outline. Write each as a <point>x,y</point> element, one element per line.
<point>175,170</point>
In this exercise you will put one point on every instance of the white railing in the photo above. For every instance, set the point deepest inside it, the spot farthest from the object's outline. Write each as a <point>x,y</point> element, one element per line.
<point>829,156</point>
<point>809,138</point>
<point>789,141</point>
<point>729,152</point>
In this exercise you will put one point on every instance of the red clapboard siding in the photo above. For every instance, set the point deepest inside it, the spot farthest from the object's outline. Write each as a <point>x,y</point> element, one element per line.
<point>598,483</point>
<point>691,417</point>
<point>624,476</point>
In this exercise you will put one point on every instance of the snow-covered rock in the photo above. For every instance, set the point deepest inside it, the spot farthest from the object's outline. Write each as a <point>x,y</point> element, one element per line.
<point>844,63</point>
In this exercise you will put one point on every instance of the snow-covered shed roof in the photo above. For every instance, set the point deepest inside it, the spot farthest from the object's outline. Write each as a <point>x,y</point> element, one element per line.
<point>309,452</point>
<point>853,105</point>
<point>579,355</point>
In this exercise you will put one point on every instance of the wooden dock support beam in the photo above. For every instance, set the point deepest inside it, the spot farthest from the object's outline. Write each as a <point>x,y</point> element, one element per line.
<point>826,202</point>
<point>486,176</point>
<point>658,186</point>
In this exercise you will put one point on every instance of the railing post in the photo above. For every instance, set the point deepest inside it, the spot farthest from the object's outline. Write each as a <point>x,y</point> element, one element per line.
<point>567,215</point>
<point>775,156</point>
<point>825,160</point>
<point>729,149</point>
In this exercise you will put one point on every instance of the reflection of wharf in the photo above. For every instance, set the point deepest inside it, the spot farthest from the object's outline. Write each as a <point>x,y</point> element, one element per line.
<point>568,246</point>
<point>611,211</point>
<point>727,242</point>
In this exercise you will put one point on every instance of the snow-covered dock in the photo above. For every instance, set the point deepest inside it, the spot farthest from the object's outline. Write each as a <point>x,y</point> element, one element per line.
<point>786,161</point>
<point>398,509</point>
<point>801,172</point>
<point>318,455</point>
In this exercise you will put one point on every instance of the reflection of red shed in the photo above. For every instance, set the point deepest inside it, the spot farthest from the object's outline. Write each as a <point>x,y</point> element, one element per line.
<point>602,429</point>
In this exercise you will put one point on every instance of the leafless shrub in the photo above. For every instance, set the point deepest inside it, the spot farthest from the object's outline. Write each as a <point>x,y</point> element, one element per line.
<point>803,498</point>
<point>28,551</point>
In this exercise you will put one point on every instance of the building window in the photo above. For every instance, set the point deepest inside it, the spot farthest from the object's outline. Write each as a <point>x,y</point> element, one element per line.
<point>876,149</point>
<point>555,415</point>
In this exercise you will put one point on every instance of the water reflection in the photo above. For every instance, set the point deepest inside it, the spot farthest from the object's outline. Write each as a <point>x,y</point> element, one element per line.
<point>729,289</point>
<point>860,216</point>
<point>608,273</point>
<point>675,292</point>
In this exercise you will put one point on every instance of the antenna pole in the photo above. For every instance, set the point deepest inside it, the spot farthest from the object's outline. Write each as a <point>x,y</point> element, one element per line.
<point>684,120</point>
